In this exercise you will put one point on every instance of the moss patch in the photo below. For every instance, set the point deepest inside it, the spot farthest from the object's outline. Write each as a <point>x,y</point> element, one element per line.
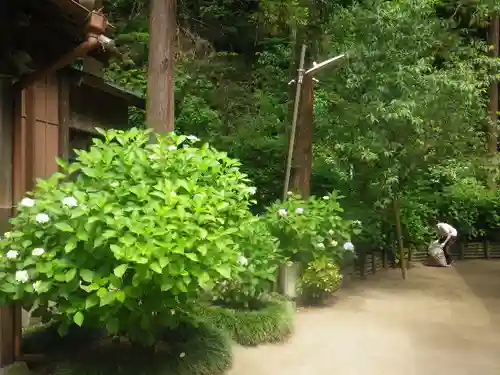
<point>270,324</point>
<point>187,350</point>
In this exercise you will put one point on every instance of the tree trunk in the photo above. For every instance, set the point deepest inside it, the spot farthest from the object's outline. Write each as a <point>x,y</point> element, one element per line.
<point>162,34</point>
<point>399,234</point>
<point>492,138</point>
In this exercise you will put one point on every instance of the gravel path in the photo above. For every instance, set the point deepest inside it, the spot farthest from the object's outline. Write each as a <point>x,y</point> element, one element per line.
<point>439,321</point>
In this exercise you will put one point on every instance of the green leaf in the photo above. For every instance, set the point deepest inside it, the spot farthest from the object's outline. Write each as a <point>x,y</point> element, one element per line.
<point>91,301</point>
<point>224,270</point>
<point>155,266</point>
<point>70,245</point>
<point>78,319</point>
<point>70,275</point>
<point>105,296</point>
<point>87,275</point>
<point>120,270</point>
<point>64,227</point>
<point>192,256</point>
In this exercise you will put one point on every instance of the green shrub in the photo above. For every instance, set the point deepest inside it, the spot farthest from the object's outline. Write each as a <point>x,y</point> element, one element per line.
<point>320,279</point>
<point>306,228</point>
<point>258,268</point>
<point>128,235</point>
<point>271,323</point>
<point>186,350</point>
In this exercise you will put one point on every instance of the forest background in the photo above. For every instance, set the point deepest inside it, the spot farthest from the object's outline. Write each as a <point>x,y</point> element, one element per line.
<point>405,130</point>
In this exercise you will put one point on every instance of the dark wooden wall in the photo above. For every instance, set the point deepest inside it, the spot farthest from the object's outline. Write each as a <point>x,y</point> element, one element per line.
<point>6,195</point>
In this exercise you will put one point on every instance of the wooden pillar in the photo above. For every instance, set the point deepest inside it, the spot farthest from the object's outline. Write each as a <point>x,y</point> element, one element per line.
<point>374,262</point>
<point>162,36</point>
<point>7,352</point>
<point>64,116</point>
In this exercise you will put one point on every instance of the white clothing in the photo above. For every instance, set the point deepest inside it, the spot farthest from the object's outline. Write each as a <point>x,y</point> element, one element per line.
<point>447,230</point>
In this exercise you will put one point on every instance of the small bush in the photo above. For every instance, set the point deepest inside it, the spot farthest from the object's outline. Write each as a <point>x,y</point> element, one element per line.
<point>271,323</point>
<point>320,279</point>
<point>128,235</point>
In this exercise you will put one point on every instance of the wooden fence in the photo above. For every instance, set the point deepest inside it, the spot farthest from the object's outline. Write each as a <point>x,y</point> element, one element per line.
<point>467,250</point>
<point>373,261</point>
<point>366,264</point>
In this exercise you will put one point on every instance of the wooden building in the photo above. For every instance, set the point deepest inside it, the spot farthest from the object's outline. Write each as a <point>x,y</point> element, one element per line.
<point>46,108</point>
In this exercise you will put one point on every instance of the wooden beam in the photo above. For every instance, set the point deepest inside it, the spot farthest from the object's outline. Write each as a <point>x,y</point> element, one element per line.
<point>64,116</point>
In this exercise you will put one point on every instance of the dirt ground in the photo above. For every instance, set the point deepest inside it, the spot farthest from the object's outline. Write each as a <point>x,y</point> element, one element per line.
<point>438,321</point>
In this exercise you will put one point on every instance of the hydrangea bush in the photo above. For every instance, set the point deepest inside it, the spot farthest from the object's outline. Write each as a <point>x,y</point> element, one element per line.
<point>321,278</point>
<point>310,227</point>
<point>128,235</point>
<point>258,268</point>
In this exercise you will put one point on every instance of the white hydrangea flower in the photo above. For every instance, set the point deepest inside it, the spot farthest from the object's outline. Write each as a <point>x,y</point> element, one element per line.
<point>289,193</point>
<point>22,276</point>
<point>333,243</point>
<point>282,212</point>
<point>70,202</point>
<point>242,260</point>
<point>153,157</point>
<point>36,285</point>
<point>299,210</point>
<point>193,138</point>
<point>357,222</point>
<point>42,218</point>
<point>27,202</point>
<point>348,246</point>
<point>331,232</point>
<point>172,148</point>
<point>38,252</point>
<point>182,355</point>
<point>326,198</point>
<point>7,234</point>
<point>252,190</point>
<point>12,254</point>
<point>320,245</point>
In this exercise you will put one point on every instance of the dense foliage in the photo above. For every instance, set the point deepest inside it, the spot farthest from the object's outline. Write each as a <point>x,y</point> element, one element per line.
<point>406,111</point>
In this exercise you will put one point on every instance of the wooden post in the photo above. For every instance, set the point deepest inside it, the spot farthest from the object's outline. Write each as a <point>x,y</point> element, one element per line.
<point>384,258</point>
<point>302,155</point>
<point>486,247</point>
<point>399,233</point>
<point>374,262</point>
<point>462,250</point>
<point>361,265</point>
<point>7,346</point>
<point>64,116</point>
<point>162,34</point>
